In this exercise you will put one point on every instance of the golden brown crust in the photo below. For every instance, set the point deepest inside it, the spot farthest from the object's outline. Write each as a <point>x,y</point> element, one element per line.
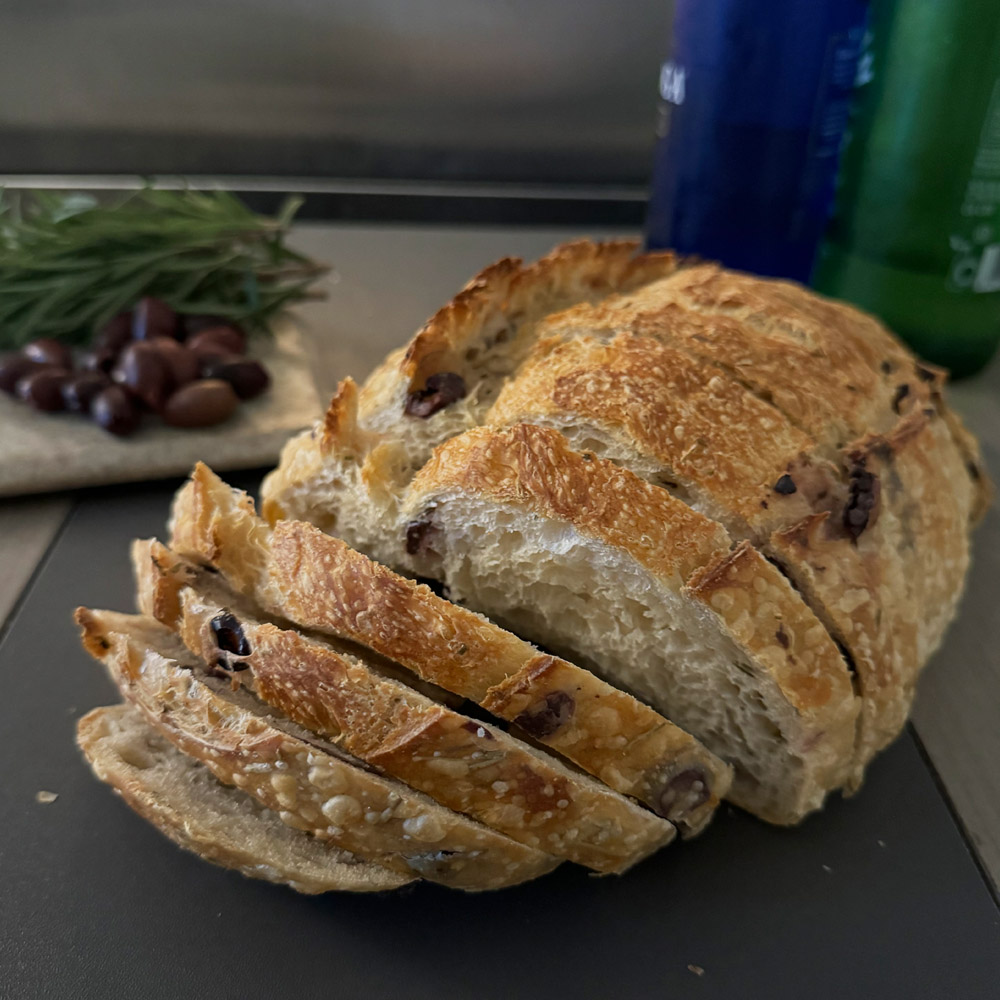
<point>834,332</point>
<point>299,573</point>
<point>888,594</point>
<point>322,583</point>
<point>535,467</point>
<point>433,347</point>
<point>708,432</point>
<point>968,448</point>
<point>465,765</point>
<point>573,271</point>
<point>499,306</point>
<point>845,594</point>
<point>159,579</point>
<point>932,497</point>
<point>273,854</point>
<point>687,786</point>
<point>830,369</point>
<point>750,596</point>
<point>308,788</point>
<point>340,423</point>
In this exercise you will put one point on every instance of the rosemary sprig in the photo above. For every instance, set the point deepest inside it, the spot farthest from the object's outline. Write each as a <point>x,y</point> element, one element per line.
<point>68,263</point>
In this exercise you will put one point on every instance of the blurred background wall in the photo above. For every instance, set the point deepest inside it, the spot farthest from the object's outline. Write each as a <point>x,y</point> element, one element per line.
<point>544,91</point>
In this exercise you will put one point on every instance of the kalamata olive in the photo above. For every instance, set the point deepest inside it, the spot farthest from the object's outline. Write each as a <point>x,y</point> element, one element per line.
<point>153,318</point>
<point>441,390</point>
<point>116,333</point>
<point>43,389</point>
<point>201,404</point>
<point>193,323</point>
<point>248,378</point>
<point>226,339</point>
<point>100,359</point>
<point>13,367</point>
<point>49,351</point>
<point>78,391</point>
<point>145,372</point>
<point>113,409</point>
<point>183,364</point>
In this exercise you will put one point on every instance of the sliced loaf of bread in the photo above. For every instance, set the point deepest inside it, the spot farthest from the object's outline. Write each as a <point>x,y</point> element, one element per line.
<point>800,424</point>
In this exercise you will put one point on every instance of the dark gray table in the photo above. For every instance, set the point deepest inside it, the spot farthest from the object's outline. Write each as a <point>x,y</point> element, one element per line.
<point>877,897</point>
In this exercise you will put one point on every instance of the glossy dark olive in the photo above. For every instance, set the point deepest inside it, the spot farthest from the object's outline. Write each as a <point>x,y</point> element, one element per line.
<point>192,323</point>
<point>145,372</point>
<point>115,334</point>
<point>49,351</point>
<point>43,389</point>
<point>201,404</point>
<point>79,390</point>
<point>183,364</point>
<point>548,715</point>
<point>153,318</point>
<point>100,359</point>
<point>248,378</point>
<point>114,410</point>
<point>13,367</point>
<point>440,390</point>
<point>225,339</point>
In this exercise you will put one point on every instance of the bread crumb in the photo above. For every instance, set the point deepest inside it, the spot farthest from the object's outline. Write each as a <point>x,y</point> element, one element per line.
<point>827,869</point>
<point>46,797</point>
<point>881,843</point>
<point>696,969</point>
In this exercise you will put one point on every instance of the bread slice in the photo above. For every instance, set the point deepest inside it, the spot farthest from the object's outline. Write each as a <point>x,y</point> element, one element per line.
<point>224,825</point>
<point>467,765</point>
<point>309,784</point>
<point>831,369</point>
<point>597,563</point>
<point>297,572</point>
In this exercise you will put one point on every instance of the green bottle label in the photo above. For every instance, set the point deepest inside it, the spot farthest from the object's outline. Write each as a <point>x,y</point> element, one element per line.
<point>975,244</point>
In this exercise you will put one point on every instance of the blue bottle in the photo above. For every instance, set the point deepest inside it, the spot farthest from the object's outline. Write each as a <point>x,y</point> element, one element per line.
<point>755,102</point>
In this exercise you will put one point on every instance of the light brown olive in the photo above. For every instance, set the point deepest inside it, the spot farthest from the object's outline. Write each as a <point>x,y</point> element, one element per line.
<point>183,364</point>
<point>201,404</point>
<point>145,372</point>
<point>49,351</point>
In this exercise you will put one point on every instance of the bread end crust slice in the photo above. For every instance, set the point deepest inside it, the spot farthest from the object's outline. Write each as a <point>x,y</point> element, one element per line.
<point>222,825</point>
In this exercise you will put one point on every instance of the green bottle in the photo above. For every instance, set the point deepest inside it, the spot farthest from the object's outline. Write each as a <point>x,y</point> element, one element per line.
<point>915,237</point>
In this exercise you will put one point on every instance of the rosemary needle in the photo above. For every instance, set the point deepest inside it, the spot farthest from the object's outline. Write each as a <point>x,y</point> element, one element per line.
<point>68,263</point>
